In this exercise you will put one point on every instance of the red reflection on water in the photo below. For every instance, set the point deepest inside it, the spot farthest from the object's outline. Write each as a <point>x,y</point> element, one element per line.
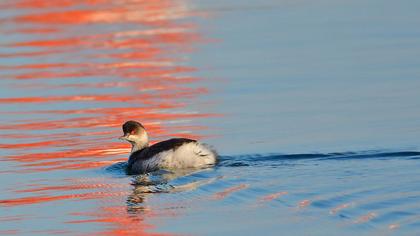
<point>68,187</point>
<point>31,145</point>
<point>38,66</point>
<point>52,232</point>
<point>48,193</point>
<point>48,43</point>
<point>72,67</point>
<point>365,218</point>
<point>104,98</point>
<point>32,200</point>
<point>93,122</point>
<point>340,207</point>
<point>228,191</point>
<point>92,79</point>
<point>304,203</point>
<point>109,12</point>
<point>272,196</point>
<point>30,54</point>
<point>122,222</point>
<point>48,198</point>
<point>393,226</point>
<point>9,232</point>
<point>37,30</point>
<point>37,4</point>
<point>12,218</point>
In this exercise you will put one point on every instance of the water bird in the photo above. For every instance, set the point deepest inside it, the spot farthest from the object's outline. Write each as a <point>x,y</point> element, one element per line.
<point>173,153</point>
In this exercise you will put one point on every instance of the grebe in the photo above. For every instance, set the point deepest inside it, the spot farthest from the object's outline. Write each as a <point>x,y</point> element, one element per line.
<point>170,154</point>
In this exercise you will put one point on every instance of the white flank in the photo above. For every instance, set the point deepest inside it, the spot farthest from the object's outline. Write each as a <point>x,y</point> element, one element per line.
<point>189,155</point>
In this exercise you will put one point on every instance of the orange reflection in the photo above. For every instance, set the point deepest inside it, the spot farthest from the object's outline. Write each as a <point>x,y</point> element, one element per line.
<point>37,4</point>
<point>9,232</point>
<point>272,196</point>
<point>78,82</point>
<point>12,218</point>
<point>139,11</point>
<point>228,191</point>
<point>365,218</point>
<point>393,226</point>
<point>43,198</point>
<point>340,207</point>
<point>123,223</point>
<point>30,54</point>
<point>304,203</point>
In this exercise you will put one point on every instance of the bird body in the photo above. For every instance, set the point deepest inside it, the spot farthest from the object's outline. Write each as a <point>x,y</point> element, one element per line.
<point>174,153</point>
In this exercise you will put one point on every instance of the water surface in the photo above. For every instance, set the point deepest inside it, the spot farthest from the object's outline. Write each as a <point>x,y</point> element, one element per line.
<point>313,107</point>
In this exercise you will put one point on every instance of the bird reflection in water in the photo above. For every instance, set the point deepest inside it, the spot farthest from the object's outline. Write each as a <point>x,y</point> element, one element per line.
<point>160,182</point>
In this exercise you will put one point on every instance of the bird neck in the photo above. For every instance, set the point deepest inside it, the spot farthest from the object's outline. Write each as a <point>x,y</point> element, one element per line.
<point>136,146</point>
<point>142,141</point>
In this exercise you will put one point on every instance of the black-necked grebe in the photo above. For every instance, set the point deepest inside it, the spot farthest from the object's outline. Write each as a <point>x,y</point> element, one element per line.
<point>170,154</point>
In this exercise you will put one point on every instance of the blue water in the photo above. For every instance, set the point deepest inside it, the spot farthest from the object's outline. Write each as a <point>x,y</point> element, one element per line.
<point>312,106</point>
<point>334,194</point>
<point>314,76</point>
